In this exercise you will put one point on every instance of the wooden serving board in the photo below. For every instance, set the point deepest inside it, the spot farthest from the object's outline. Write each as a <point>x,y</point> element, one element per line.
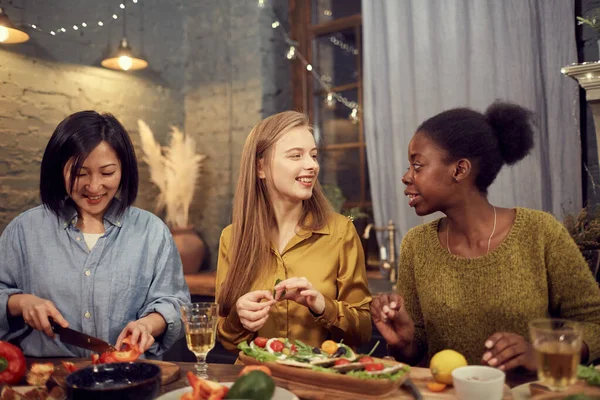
<point>304,386</point>
<point>169,372</point>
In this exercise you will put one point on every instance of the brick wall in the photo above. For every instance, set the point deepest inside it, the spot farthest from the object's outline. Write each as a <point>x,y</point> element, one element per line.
<point>217,68</point>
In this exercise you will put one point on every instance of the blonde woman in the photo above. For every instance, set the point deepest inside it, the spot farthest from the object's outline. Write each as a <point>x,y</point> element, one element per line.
<point>283,229</point>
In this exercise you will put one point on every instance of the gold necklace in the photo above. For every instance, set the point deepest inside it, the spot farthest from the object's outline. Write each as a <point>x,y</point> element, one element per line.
<point>489,239</point>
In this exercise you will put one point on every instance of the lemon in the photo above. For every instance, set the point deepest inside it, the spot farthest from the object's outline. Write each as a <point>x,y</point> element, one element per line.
<point>443,363</point>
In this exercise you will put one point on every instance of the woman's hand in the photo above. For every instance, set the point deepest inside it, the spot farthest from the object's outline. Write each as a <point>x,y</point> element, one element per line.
<point>392,321</point>
<point>140,332</point>
<point>254,312</point>
<point>506,350</point>
<point>36,312</point>
<point>301,291</point>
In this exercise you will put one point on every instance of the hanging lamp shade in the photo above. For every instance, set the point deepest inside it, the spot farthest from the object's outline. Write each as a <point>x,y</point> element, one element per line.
<point>8,32</point>
<point>123,59</point>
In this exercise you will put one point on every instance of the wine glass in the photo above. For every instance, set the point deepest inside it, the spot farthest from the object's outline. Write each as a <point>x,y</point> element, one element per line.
<point>200,321</point>
<point>557,344</point>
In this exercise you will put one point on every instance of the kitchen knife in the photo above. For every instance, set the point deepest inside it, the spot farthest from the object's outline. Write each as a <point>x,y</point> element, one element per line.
<point>78,339</point>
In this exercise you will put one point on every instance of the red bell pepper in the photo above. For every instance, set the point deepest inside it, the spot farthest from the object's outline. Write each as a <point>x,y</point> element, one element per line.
<point>126,354</point>
<point>12,363</point>
<point>69,366</point>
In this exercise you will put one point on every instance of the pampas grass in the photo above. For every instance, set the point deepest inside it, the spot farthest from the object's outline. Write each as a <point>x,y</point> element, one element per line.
<point>174,170</point>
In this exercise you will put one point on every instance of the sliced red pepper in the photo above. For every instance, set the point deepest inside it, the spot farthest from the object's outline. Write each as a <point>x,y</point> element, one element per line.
<point>69,366</point>
<point>95,359</point>
<point>126,354</point>
<point>12,363</point>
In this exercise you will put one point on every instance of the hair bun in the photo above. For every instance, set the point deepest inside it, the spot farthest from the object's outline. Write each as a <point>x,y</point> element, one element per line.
<point>513,126</point>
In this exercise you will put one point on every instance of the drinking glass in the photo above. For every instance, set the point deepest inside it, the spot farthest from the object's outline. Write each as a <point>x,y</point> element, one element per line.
<point>200,321</point>
<point>557,344</point>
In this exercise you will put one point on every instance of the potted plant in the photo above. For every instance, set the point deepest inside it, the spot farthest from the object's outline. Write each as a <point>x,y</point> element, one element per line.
<point>592,19</point>
<point>584,228</point>
<point>175,170</point>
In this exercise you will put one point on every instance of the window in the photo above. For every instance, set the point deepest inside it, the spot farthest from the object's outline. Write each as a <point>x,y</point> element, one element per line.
<point>328,33</point>
<point>329,36</point>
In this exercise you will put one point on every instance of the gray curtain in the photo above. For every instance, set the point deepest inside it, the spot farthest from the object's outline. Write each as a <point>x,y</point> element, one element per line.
<point>425,56</point>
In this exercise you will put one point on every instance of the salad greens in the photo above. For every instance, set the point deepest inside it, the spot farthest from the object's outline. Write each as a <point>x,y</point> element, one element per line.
<point>589,374</point>
<point>258,353</point>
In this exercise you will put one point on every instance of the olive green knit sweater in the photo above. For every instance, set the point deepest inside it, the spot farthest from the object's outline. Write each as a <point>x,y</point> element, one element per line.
<point>457,303</point>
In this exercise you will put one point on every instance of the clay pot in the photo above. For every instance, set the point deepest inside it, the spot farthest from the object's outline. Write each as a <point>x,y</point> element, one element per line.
<point>191,248</point>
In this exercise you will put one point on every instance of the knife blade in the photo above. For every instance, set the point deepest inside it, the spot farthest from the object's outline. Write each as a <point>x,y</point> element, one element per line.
<point>412,388</point>
<point>78,339</point>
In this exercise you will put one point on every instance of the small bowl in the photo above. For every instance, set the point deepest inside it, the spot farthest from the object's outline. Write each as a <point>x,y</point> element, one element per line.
<point>476,382</point>
<point>115,381</point>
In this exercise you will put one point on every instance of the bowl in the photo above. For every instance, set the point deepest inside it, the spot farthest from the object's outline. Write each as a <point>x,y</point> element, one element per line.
<point>114,381</point>
<point>476,382</point>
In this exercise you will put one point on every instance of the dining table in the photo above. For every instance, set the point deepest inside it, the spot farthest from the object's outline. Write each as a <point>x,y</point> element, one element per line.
<point>303,390</point>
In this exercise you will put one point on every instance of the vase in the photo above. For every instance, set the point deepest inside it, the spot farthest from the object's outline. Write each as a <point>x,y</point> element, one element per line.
<point>191,248</point>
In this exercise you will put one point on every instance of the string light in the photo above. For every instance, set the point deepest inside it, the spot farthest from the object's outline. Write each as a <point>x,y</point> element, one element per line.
<point>354,116</point>
<point>79,27</point>
<point>324,81</point>
<point>330,101</point>
<point>291,54</point>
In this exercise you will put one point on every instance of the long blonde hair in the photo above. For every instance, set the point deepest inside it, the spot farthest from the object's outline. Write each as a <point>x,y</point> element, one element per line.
<point>253,216</point>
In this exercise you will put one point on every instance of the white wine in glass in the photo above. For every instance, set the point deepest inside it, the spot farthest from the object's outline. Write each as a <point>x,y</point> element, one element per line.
<point>200,321</point>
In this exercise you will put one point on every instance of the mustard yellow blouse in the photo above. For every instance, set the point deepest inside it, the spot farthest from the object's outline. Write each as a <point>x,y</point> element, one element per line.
<point>332,259</point>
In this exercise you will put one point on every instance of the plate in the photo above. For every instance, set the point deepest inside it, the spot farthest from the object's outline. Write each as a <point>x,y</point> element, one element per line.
<point>280,393</point>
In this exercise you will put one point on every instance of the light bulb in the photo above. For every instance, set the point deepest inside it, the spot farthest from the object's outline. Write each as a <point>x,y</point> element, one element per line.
<point>261,4</point>
<point>309,67</point>
<point>330,101</point>
<point>291,54</point>
<point>275,24</point>
<point>354,116</point>
<point>3,33</point>
<point>125,62</point>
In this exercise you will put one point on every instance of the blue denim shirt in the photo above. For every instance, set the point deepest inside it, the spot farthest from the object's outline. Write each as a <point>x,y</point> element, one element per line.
<point>133,270</point>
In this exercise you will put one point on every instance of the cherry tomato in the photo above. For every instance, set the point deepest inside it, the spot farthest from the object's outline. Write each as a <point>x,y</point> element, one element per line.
<point>294,349</point>
<point>366,360</point>
<point>342,361</point>
<point>260,342</point>
<point>374,367</point>
<point>277,346</point>
<point>329,347</point>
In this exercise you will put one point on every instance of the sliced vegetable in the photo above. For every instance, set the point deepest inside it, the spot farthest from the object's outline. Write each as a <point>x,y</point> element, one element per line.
<point>366,360</point>
<point>374,367</point>
<point>329,347</point>
<point>249,368</point>
<point>69,366</point>
<point>342,361</point>
<point>436,386</point>
<point>127,353</point>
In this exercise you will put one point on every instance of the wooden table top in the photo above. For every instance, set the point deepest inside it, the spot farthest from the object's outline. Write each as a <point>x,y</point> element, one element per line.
<point>229,373</point>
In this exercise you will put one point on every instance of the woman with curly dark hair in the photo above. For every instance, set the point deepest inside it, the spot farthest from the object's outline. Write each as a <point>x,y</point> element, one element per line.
<point>472,281</point>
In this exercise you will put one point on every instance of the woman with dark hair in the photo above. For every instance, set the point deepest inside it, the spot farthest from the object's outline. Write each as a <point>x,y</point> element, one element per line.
<point>472,281</point>
<point>87,258</point>
<point>288,265</point>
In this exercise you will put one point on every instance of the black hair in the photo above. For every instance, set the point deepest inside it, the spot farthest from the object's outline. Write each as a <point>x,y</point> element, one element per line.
<point>75,138</point>
<point>502,135</point>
